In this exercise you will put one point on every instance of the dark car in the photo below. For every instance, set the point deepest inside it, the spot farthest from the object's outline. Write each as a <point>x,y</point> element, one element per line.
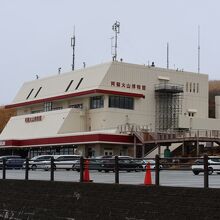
<point>7,157</point>
<point>93,165</point>
<point>125,164</point>
<point>14,163</point>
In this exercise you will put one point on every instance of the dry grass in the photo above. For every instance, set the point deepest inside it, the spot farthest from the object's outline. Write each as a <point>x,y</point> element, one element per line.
<point>5,115</point>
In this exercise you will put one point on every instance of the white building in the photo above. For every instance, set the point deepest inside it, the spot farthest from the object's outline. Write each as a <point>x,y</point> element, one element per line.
<point>88,110</point>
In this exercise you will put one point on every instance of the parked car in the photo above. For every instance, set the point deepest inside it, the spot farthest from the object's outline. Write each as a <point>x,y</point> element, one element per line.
<point>6,157</point>
<point>94,164</point>
<point>214,164</point>
<point>14,163</point>
<point>38,162</point>
<point>125,163</point>
<point>62,162</point>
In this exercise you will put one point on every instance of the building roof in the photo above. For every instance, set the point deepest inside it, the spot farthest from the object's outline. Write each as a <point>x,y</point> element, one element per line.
<point>91,80</point>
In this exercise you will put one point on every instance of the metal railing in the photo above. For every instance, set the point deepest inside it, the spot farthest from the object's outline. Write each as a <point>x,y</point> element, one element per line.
<point>115,164</point>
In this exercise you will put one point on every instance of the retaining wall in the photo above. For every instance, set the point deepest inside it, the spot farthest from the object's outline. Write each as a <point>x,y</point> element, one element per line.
<point>75,201</point>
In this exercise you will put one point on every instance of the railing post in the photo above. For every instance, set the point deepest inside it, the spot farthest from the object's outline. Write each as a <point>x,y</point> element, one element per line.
<point>3,168</point>
<point>52,169</point>
<point>206,171</point>
<point>157,170</point>
<point>26,168</point>
<point>81,168</point>
<point>116,170</point>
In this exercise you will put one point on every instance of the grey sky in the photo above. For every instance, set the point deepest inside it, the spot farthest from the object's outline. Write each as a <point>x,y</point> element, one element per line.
<point>35,36</point>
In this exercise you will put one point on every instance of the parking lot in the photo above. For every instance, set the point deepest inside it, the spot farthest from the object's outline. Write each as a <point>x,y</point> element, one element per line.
<point>167,178</point>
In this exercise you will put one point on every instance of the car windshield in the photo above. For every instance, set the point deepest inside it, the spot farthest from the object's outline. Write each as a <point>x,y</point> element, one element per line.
<point>217,160</point>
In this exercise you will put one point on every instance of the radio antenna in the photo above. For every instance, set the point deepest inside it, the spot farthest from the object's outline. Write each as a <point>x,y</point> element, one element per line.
<point>167,55</point>
<point>73,44</point>
<point>198,49</point>
<point>116,29</point>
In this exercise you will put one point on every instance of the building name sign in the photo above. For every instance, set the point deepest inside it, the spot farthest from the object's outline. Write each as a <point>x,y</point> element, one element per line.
<point>128,85</point>
<point>2,143</point>
<point>33,119</point>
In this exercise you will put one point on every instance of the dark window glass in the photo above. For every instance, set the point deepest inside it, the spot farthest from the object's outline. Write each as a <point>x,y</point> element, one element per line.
<point>79,84</point>
<point>67,88</point>
<point>37,92</point>
<point>121,102</point>
<point>96,102</point>
<point>29,93</point>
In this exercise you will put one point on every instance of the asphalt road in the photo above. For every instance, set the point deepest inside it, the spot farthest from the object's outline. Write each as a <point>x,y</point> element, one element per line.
<point>167,178</point>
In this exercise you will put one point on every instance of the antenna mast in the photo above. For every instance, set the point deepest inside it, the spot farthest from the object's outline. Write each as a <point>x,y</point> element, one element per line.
<point>198,49</point>
<point>73,43</point>
<point>167,55</point>
<point>116,29</point>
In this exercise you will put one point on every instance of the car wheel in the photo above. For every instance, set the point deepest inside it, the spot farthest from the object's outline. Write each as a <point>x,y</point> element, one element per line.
<point>67,169</point>
<point>196,172</point>
<point>78,170</point>
<point>210,171</point>
<point>34,167</point>
<point>99,170</point>
<point>73,168</point>
<point>106,171</point>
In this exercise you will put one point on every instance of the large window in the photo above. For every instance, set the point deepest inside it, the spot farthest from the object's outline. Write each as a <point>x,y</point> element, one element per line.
<point>47,106</point>
<point>121,102</point>
<point>96,102</point>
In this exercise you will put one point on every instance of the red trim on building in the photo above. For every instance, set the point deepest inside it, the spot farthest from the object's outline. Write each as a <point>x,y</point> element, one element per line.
<point>72,139</point>
<point>76,94</point>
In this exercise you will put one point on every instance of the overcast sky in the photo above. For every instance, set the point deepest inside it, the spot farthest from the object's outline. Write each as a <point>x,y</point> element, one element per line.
<point>35,36</point>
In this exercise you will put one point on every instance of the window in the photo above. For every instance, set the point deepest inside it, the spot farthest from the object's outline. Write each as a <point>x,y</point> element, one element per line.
<point>76,106</point>
<point>121,102</point>
<point>79,84</point>
<point>37,92</point>
<point>47,106</point>
<point>30,94</point>
<point>190,87</point>
<point>36,111</point>
<point>197,87</point>
<point>67,88</point>
<point>57,108</point>
<point>187,85</point>
<point>96,102</point>
<point>194,87</point>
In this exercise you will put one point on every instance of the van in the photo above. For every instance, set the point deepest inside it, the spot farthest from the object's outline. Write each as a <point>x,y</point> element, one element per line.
<point>63,162</point>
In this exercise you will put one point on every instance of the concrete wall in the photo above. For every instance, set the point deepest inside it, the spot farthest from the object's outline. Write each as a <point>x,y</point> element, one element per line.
<point>29,200</point>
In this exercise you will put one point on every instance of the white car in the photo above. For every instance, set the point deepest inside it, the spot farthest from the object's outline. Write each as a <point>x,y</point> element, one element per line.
<point>214,164</point>
<point>37,162</point>
<point>62,162</point>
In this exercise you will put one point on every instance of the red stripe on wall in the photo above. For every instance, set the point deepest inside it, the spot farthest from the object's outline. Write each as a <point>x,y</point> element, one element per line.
<point>72,139</point>
<point>76,94</point>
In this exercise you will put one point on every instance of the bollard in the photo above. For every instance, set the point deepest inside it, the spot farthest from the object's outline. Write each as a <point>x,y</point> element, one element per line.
<point>116,170</point>
<point>52,169</point>
<point>4,169</point>
<point>81,169</point>
<point>26,169</point>
<point>206,171</point>
<point>157,170</point>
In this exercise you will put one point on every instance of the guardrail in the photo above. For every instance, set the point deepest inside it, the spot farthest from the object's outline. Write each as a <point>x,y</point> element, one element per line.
<point>116,165</point>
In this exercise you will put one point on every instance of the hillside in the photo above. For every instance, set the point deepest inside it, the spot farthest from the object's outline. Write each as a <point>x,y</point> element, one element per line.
<point>5,115</point>
<point>214,89</point>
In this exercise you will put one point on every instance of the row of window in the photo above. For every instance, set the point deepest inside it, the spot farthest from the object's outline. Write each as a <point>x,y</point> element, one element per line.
<point>121,102</point>
<point>192,87</point>
<point>114,102</point>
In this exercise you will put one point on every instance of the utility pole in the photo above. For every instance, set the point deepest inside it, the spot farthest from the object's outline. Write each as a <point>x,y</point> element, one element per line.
<point>116,29</point>
<point>73,44</point>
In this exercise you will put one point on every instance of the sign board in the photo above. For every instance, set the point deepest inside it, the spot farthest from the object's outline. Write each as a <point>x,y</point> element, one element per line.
<point>33,119</point>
